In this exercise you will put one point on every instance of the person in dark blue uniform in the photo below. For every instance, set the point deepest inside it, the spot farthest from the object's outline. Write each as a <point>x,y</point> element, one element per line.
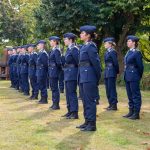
<point>19,68</point>
<point>61,74</point>
<point>24,70</point>
<point>111,71</point>
<point>70,75</point>
<point>32,71</point>
<point>42,71</point>
<point>15,75</point>
<point>89,77</point>
<point>132,75</point>
<point>10,64</point>
<point>54,70</point>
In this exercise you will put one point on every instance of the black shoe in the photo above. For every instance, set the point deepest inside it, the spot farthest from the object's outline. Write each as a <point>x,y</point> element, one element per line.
<point>51,106</point>
<point>26,94</point>
<point>90,127</point>
<point>56,106</point>
<point>134,116</point>
<point>66,115</point>
<point>108,107</point>
<point>42,102</point>
<point>61,91</point>
<point>97,102</point>
<point>73,115</point>
<point>113,107</point>
<point>82,125</point>
<point>30,98</point>
<point>34,98</point>
<point>129,114</point>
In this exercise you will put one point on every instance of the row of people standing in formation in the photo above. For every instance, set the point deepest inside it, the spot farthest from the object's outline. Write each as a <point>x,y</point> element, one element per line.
<point>80,66</point>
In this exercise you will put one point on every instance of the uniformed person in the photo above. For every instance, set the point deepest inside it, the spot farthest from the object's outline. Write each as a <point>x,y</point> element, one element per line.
<point>32,71</point>
<point>10,64</point>
<point>110,73</point>
<point>89,76</point>
<point>132,75</point>
<point>24,70</point>
<point>42,71</point>
<point>15,75</point>
<point>70,75</point>
<point>54,70</point>
<point>19,68</point>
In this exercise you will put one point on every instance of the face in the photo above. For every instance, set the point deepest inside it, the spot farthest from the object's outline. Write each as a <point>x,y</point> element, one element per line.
<point>40,46</point>
<point>130,44</point>
<point>84,36</point>
<point>23,50</point>
<point>30,49</point>
<point>67,41</point>
<point>107,45</point>
<point>53,43</point>
<point>9,52</point>
<point>14,51</point>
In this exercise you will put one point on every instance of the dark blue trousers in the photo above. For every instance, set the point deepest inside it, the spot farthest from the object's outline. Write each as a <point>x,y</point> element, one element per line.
<point>34,85</point>
<point>42,85</point>
<point>11,75</point>
<point>89,95</point>
<point>134,95</point>
<point>110,85</point>
<point>25,83</point>
<point>55,90</point>
<point>71,96</point>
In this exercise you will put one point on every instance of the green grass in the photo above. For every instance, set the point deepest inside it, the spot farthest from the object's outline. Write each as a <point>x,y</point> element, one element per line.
<point>25,125</point>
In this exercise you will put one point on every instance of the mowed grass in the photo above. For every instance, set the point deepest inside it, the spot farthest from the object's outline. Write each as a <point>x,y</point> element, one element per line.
<point>25,125</point>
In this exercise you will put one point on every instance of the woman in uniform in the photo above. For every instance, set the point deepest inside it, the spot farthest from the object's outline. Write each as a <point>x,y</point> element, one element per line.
<point>70,75</point>
<point>132,76</point>
<point>89,76</point>
<point>54,68</point>
<point>111,71</point>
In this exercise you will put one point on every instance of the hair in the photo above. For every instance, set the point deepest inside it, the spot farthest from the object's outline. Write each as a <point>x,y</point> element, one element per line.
<point>136,44</point>
<point>92,35</point>
<point>73,39</point>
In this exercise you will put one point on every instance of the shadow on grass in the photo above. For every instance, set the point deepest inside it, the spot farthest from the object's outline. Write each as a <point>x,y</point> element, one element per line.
<point>27,107</point>
<point>79,140</point>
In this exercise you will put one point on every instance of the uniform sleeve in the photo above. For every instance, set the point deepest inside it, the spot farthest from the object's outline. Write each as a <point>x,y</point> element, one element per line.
<point>58,57</point>
<point>139,63</point>
<point>115,60</point>
<point>35,58</point>
<point>75,55</point>
<point>95,60</point>
<point>44,59</point>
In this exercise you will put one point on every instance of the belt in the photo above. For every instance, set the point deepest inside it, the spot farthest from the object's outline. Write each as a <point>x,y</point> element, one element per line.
<point>52,65</point>
<point>129,66</point>
<point>109,64</point>
<point>24,64</point>
<point>84,64</point>
<point>70,65</point>
<point>32,66</point>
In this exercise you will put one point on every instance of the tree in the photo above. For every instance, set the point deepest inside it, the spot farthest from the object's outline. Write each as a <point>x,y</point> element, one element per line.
<point>112,17</point>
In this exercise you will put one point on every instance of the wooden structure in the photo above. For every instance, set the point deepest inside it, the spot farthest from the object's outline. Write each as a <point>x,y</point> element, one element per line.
<point>4,71</point>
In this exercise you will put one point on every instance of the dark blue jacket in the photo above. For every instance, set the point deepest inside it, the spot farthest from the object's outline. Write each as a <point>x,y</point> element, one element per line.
<point>111,64</point>
<point>133,65</point>
<point>14,59</point>
<point>32,64</point>
<point>24,64</point>
<point>71,63</point>
<point>10,63</point>
<point>54,63</point>
<point>89,55</point>
<point>19,63</point>
<point>42,64</point>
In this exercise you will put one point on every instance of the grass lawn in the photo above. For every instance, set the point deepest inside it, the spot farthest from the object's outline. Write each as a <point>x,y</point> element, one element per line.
<point>25,125</point>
